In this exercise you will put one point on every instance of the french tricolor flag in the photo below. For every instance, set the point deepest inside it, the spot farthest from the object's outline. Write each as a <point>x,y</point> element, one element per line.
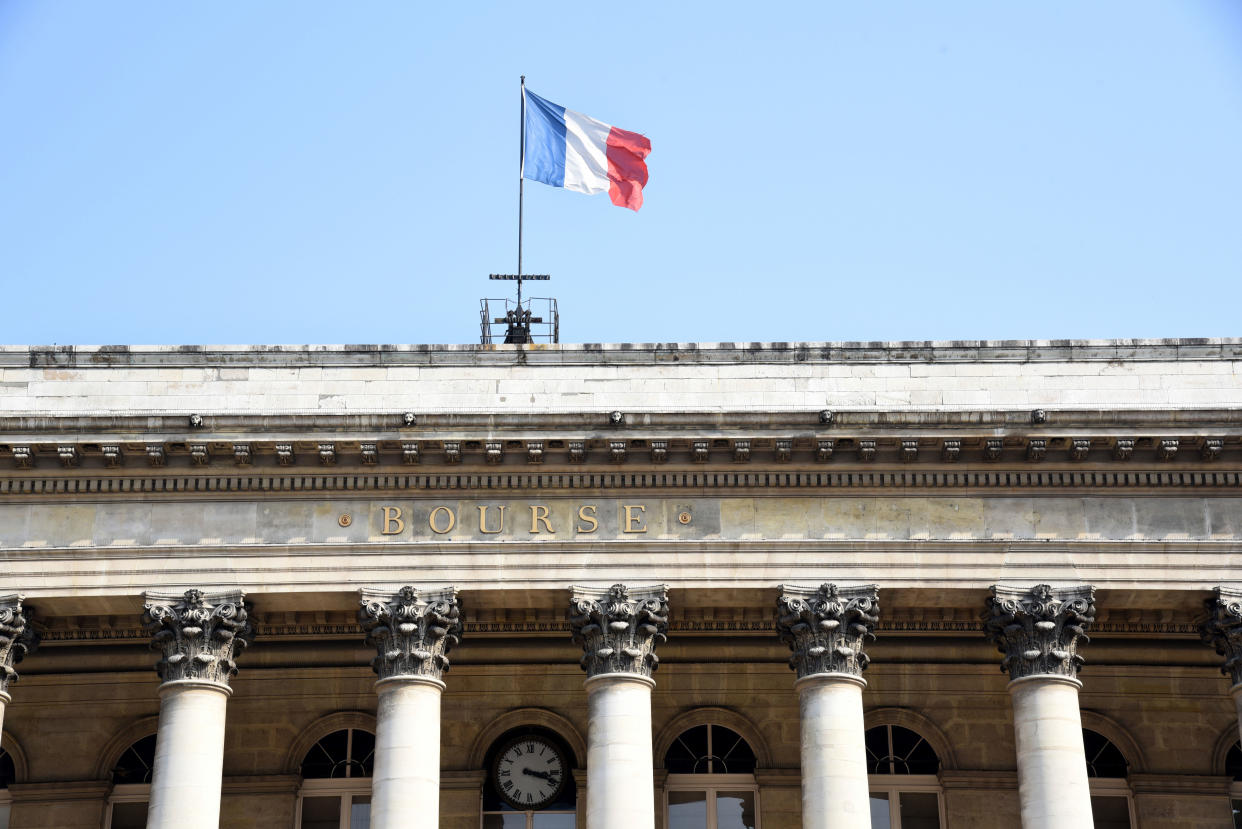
<point>567,149</point>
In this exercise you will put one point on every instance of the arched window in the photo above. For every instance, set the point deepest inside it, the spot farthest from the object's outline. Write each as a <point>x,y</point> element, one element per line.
<point>1107,768</point>
<point>131,785</point>
<point>711,780</point>
<point>905,789</point>
<point>336,781</point>
<point>530,781</point>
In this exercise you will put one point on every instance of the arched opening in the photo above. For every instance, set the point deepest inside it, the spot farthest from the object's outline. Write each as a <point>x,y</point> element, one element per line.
<point>1107,770</point>
<point>711,780</point>
<point>905,788</point>
<point>131,785</point>
<point>530,781</point>
<point>336,781</point>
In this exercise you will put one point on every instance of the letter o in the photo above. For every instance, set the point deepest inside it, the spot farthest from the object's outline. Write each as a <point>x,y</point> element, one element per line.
<point>452,520</point>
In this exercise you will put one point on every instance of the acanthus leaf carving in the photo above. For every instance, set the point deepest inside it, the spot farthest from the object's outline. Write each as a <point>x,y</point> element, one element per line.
<point>412,631</point>
<point>619,627</point>
<point>198,635</point>
<point>17,637</point>
<point>1222,629</point>
<point>826,627</point>
<point>1039,630</point>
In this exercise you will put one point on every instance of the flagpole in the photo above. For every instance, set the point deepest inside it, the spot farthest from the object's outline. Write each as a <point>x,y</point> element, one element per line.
<point>521,191</point>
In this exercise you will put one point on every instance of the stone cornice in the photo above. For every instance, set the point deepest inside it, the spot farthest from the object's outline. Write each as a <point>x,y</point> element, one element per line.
<point>924,351</point>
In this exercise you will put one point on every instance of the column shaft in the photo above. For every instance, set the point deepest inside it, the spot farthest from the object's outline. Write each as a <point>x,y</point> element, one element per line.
<point>1052,764</point>
<point>834,755</point>
<point>621,794</point>
<point>405,785</point>
<point>189,756</point>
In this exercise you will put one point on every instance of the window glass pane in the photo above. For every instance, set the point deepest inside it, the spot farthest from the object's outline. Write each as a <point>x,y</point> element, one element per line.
<point>1110,812</point>
<point>731,754</point>
<point>879,811</point>
<point>360,811</point>
<point>363,758</point>
<point>555,821</point>
<point>321,812</point>
<point>4,816</point>
<point>687,810</point>
<point>919,811</point>
<point>127,816</point>
<point>1103,758</point>
<point>877,751</point>
<point>688,752</point>
<point>513,820</point>
<point>7,771</point>
<point>136,762</point>
<point>1237,814</point>
<point>735,810</point>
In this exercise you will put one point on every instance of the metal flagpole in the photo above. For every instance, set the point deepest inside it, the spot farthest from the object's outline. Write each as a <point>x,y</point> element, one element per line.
<point>521,184</point>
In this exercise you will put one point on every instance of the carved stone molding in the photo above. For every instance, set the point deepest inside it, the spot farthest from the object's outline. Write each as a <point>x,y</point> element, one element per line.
<point>619,627</point>
<point>826,627</point>
<point>1222,629</point>
<point>1038,630</point>
<point>198,635</point>
<point>17,637</point>
<point>412,631</point>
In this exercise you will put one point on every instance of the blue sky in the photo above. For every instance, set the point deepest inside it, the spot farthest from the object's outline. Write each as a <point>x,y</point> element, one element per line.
<point>347,172</point>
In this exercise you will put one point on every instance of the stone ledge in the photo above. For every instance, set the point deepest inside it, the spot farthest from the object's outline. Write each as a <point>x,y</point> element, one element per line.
<point>59,791</point>
<point>71,356</point>
<point>262,784</point>
<point>979,780</point>
<point>1179,784</point>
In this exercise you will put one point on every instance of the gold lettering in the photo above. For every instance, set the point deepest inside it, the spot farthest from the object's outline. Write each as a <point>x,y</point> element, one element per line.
<point>582,516</point>
<point>452,520</point>
<point>392,521</point>
<point>483,520</point>
<point>538,513</point>
<point>632,521</point>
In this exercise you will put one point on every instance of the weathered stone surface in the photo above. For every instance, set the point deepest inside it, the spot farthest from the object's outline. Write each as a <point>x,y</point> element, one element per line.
<point>1222,629</point>
<point>412,631</point>
<point>198,635</point>
<point>619,627</point>
<point>1038,630</point>
<point>17,638</point>
<point>827,627</point>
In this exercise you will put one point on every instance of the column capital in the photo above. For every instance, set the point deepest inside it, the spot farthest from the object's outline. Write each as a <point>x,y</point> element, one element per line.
<point>17,637</point>
<point>199,635</point>
<point>825,627</point>
<point>1038,629</point>
<point>1222,629</point>
<point>619,627</point>
<point>412,631</point>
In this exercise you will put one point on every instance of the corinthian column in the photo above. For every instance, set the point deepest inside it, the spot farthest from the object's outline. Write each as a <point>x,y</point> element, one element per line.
<point>198,635</point>
<point>618,629</point>
<point>1223,631</point>
<point>825,628</point>
<point>1038,630</point>
<point>17,638</point>
<point>412,633</point>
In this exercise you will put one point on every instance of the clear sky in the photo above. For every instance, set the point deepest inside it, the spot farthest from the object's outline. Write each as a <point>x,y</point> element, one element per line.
<point>328,172</point>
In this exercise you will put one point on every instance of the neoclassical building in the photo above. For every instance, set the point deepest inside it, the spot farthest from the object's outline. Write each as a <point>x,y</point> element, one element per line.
<point>974,585</point>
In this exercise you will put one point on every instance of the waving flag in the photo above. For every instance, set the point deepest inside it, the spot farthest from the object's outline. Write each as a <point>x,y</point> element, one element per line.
<point>567,149</point>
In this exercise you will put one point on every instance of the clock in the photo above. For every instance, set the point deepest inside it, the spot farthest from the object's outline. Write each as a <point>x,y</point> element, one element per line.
<point>529,772</point>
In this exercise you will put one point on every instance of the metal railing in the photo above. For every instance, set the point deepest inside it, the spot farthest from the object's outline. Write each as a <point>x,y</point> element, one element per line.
<point>534,320</point>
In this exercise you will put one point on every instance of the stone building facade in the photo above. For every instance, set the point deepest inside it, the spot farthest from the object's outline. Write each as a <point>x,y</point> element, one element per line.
<point>899,585</point>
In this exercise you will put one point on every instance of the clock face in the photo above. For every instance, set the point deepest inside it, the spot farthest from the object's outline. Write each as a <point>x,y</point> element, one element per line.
<point>530,772</point>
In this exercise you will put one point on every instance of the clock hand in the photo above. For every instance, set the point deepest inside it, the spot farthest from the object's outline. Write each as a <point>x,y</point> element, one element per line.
<point>541,774</point>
